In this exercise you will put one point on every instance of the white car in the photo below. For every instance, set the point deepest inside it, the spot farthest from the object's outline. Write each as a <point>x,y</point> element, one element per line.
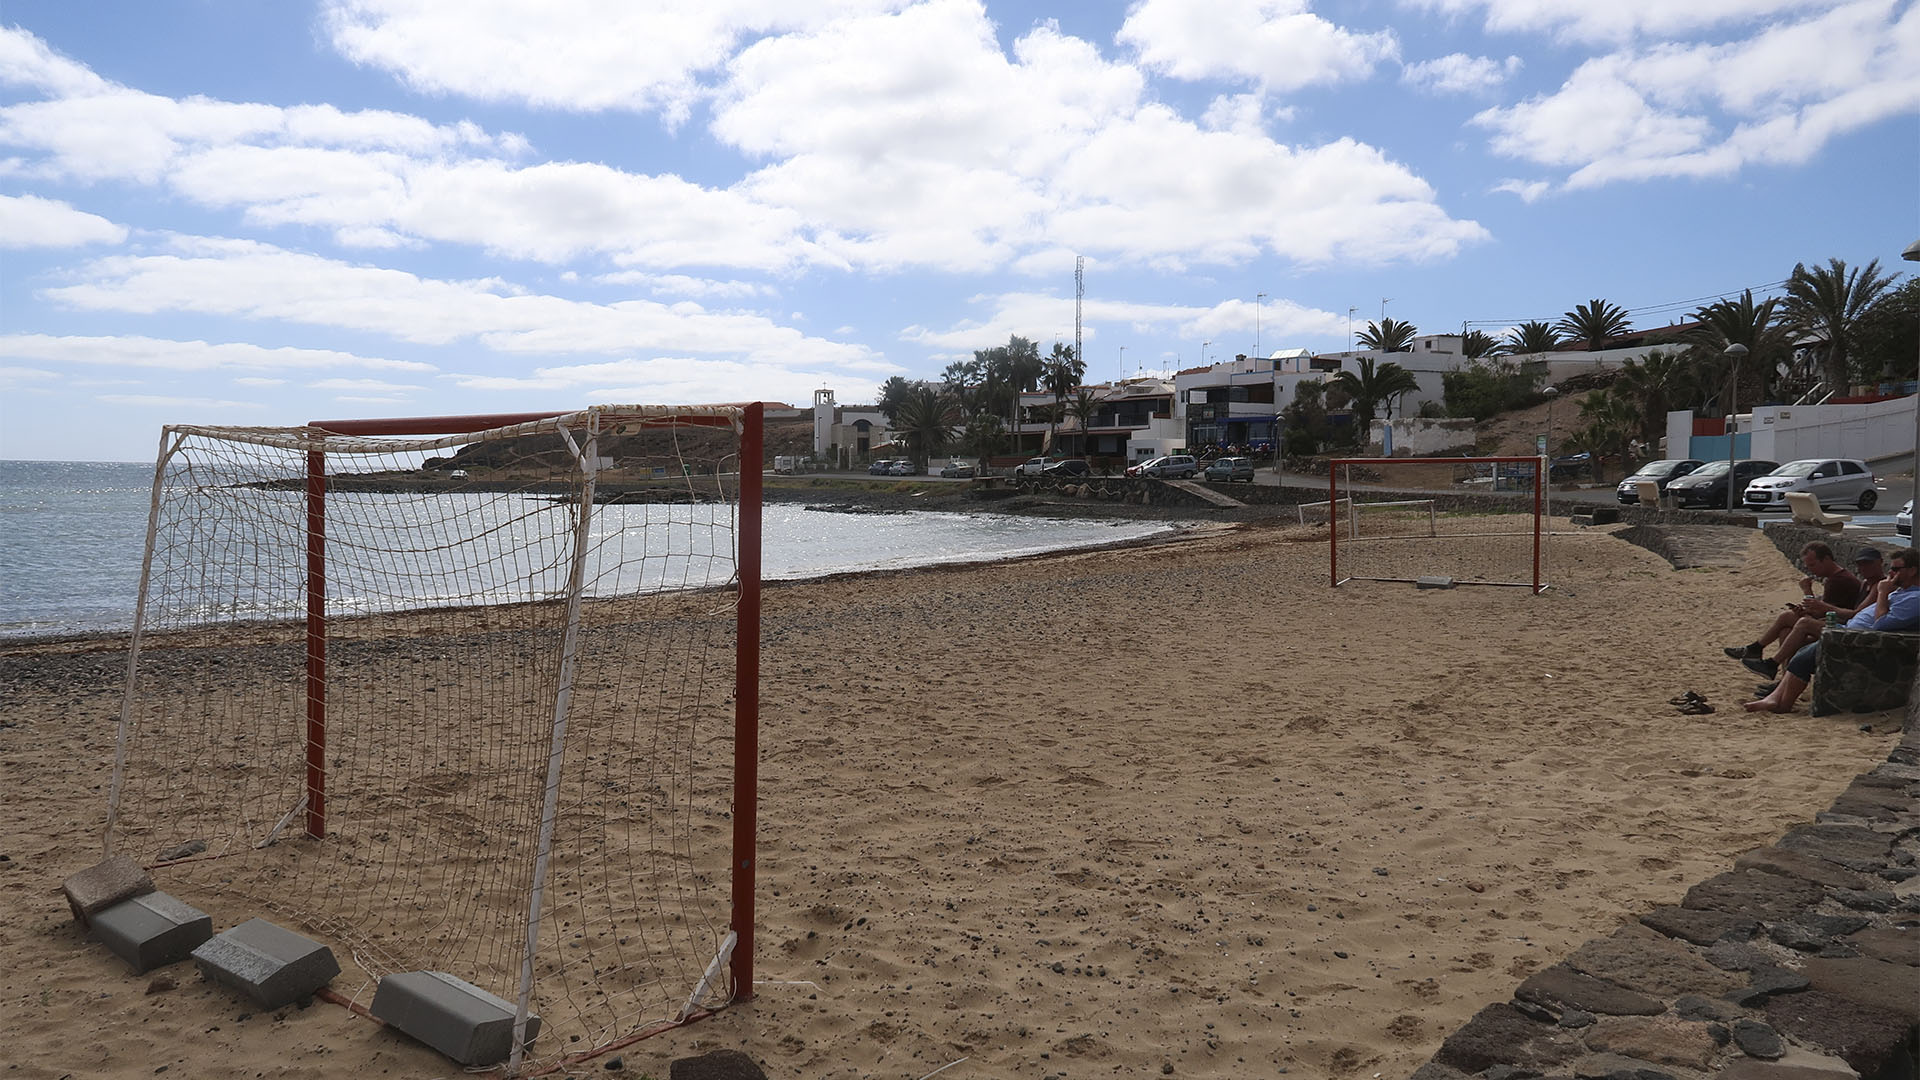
<point>1030,467</point>
<point>1903,521</point>
<point>1169,467</point>
<point>1834,481</point>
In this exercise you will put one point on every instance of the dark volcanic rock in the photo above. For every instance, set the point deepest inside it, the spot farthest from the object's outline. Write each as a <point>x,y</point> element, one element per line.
<point>1754,894</point>
<point>1758,1040</point>
<point>1890,943</point>
<point>1893,987</point>
<point>1864,1036</point>
<point>1702,927</point>
<point>1866,899</point>
<point>1655,966</point>
<point>1562,986</point>
<point>1789,863</point>
<point>1734,956</point>
<point>1695,1007</point>
<point>1500,1035</point>
<point>1849,845</point>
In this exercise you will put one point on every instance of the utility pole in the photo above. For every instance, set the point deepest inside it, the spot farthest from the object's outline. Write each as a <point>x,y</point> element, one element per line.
<point>1350,311</point>
<point>1123,361</point>
<point>1079,301</point>
<point>1259,301</point>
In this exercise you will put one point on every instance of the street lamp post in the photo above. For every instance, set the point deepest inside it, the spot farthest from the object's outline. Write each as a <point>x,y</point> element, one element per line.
<point>1259,301</point>
<point>1912,254</point>
<point>1734,354</point>
<point>1546,452</point>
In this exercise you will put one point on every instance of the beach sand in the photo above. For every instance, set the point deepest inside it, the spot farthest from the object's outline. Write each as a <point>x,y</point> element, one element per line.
<point>1172,810</point>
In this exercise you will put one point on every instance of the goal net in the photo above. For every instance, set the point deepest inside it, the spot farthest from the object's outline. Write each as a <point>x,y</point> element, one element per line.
<point>1461,521</point>
<point>473,695</point>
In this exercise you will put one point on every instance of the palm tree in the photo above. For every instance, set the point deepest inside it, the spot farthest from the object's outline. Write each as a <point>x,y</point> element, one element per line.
<point>1611,426</point>
<point>1829,301</point>
<point>892,393</point>
<point>1533,337</point>
<point>984,436</point>
<point>1063,372</point>
<point>1373,386</point>
<point>1083,407</point>
<point>1740,322</point>
<point>1654,384</point>
<point>1388,335</point>
<point>1594,323</point>
<point>1476,344</point>
<point>926,421</point>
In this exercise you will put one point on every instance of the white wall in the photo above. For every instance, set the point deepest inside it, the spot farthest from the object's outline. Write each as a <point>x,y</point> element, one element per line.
<point>1787,432</point>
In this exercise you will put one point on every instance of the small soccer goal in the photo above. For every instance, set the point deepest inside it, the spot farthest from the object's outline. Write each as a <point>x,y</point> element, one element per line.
<point>466,694</point>
<point>1434,521</point>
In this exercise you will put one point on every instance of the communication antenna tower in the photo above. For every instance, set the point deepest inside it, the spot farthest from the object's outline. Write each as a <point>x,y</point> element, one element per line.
<point>1079,301</point>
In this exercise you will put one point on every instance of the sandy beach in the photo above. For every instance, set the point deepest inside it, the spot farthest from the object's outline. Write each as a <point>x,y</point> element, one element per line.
<point>1171,810</point>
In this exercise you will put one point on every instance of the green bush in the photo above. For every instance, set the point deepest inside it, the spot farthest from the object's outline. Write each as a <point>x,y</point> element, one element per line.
<point>1488,388</point>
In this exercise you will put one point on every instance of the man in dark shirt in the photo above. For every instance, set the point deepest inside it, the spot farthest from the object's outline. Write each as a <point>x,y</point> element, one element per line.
<point>1841,591</point>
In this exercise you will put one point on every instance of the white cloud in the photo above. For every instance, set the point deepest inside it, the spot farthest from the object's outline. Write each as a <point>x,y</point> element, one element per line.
<point>258,382</point>
<point>362,385</point>
<point>162,354</point>
<point>28,221</point>
<point>1021,312</point>
<point>170,402</point>
<point>1615,20</point>
<point>659,379</point>
<point>1527,190</point>
<point>1709,110</point>
<point>1275,44</point>
<point>258,281</point>
<point>584,55</point>
<point>1458,73</point>
<point>686,285</point>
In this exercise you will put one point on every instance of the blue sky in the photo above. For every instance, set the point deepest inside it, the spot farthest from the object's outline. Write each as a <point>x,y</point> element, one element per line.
<point>229,212</point>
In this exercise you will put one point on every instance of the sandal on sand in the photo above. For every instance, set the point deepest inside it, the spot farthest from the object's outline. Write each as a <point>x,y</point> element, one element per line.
<point>1696,708</point>
<point>1687,698</point>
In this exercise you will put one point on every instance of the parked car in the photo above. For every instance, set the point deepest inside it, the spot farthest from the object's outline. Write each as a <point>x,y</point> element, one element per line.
<point>1067,469</point>
<point>1834,481</point>
<point>1167,467</point>
<point>1031,467</point>
<point>880,466</point>
<point>1707,485</point>
<point>1230,469</point>
<point>904,467</point>
<point>1903,521</point>
<point>960,469</point>
<point>1662,472</point>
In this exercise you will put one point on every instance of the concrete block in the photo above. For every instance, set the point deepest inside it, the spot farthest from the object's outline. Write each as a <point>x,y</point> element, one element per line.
<point>152,930</point>
<point>1433,583</point>
<point>265,964</point>
<point>103,885</point>
<point>450,1014</point>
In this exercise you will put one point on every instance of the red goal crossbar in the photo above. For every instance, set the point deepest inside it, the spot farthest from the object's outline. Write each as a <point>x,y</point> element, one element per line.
<point>746,742</point>
<point>1333,499</point>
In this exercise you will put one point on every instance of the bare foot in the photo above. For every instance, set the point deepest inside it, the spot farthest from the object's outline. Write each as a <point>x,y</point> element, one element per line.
<point>1766,705</point>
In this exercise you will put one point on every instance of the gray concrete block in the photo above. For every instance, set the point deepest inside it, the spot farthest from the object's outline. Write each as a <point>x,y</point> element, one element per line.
<point>265,964</point>
<point>450,1014</point>
<point>103,885</point>
<point>1433,583</point>
<point>152,930</point>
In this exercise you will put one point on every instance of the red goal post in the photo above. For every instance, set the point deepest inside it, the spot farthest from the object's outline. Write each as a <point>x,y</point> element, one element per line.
<point>1335,467</point>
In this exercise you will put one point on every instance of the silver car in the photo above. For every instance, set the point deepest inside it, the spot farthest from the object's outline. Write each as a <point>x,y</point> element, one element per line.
<point>1834,481</point>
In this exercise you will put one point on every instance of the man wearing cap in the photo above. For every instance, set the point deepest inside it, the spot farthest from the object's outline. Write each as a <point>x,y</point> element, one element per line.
<point>1802,622</point>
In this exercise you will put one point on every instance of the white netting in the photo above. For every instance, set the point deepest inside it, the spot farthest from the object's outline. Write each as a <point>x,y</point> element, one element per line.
<point>448,585</point>
<point>1404,519</point>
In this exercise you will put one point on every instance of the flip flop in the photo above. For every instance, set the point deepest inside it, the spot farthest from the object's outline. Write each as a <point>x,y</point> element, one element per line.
<point>1687,698</point>
<point>1696,708</point>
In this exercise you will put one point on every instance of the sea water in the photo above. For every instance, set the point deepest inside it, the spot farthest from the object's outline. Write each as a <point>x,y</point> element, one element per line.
<point>72,533</point>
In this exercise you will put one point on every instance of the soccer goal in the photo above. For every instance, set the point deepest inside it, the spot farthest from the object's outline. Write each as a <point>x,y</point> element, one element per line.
<point>1454,521</point>
<point>466,694</point>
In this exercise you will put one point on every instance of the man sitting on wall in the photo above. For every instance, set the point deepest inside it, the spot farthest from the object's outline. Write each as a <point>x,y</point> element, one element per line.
<point>1806,628</point>
<point>1840,591</point>
<point>1895,606</point>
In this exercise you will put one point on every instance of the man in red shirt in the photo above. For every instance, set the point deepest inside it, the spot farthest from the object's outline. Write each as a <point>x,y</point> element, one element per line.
<point>1801,623</point>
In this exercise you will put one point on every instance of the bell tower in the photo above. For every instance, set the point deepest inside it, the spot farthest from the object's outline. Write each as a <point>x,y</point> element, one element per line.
<point>822,421</point>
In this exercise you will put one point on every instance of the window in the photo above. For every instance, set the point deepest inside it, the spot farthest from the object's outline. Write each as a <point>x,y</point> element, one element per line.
<point>1849,468</point>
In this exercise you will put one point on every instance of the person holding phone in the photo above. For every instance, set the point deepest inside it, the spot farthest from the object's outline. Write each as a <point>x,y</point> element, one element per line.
<point>1840,590</point>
